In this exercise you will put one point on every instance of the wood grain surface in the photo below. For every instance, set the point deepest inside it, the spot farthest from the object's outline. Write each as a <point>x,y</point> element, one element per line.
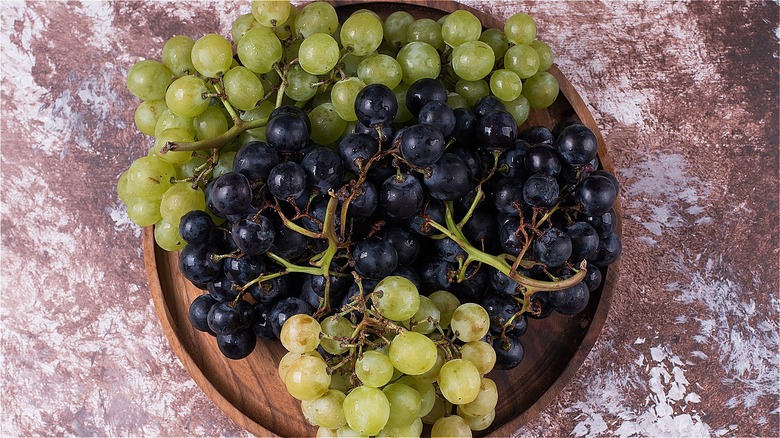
<point>685,95</point>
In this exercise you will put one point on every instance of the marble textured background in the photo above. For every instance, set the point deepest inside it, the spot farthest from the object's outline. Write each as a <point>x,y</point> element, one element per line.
<point>685,93</point>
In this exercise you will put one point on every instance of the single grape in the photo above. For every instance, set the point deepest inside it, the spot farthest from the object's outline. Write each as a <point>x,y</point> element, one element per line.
<point>395,27</point>
<point>497,41</point>
<point>481,354</point>
<point>180,199</point>
<point>362,33</point>
<point>259,49</point>
<point>147,114</point>
<point>270,13</point>
<point>460,27</point>
<point>237,345</point>
<point>459,381</point>
<point>486,400</point>
<point>366,410</point>
<point>174,135</point>
<point>307,378</point>
<point>595,195</point>
<point>505,84</point>
<point>396,298</point>
<point>343,95</point>
<point>523,60</point>
<point>187,96</point>
<point>553,247</point>
<point>541,90</point>
<point>473,60</point>
<point>167,237</point>
<point>177,55</point>
<point>212,55</point>
<point>545,54</point>
<point>374,369</point>
<point>148,80</point>
<point>316,17</point>
<point>326,411</point>
<point>572,300</point>
<point>412,353</point>
<point>380,69</point>
<point>300,334</point>
<point>520,29</point>
<point>377,259</point>
<point>405,403</point>
<point>210,123</point>
<point>427,31</point>
<point>418,60</point>
<point>401,196</point>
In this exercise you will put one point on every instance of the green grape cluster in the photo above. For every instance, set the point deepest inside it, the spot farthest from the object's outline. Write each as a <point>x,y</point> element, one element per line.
<point>396,361</point>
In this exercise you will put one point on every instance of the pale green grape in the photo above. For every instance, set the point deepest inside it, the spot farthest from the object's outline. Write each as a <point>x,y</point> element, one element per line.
<point>144,212</point>
<point>271,13</point>
<point>366,410</point>
<point>347,432</point>
<point>374,368</point>
<point>343,95</point>
<point>477,423</point>
<point>300,84</point>
<point>432,374</point>
<point>426,390</point>
<point>473,60</point>
<point>300,333</point>
<point>426,31</point>
<point>263,111</point>
<point>167,236</point>
<point>321,97</point>
<point>289,358</point>
<point>148,80</point>
<point>210,123</point>
<point>170,120</point>
<point>335,327</point>
<point>541,90</point>
<point>362,32</point>
<point>519,109</point>
<point>472,91</point>
<point>292,49</point>
<point>172,135</point>
<point>419,60</point>
<point>326,411</point>
<point>413,430</point>
<point>316,17</point>
<point>505,84</point>
<point>520,29</point>
<point>459,381</point>
<point>426,318</point>
<point>380,69</point>
<point>340,380</point>
<point>396,298</point>
<point>186,170</point>
<point>459,27</point>
<point>455,101</point>
<point>441,19</point>
<point>386,49</point>
<point>242,25</point>
<point>404,404</point>
<point>177,55</point>
<point>121,187</point>
<point>440,407</point>
<point>187,96</point>
<point>451,427</point>
<point>523,60</point>
<point>259,49</point>
<point>147,114</point>
<point>395,26</point>
<point>224,163</point>
<point>307,378</point>
<point>496,40</point>
<point>400,95</point>
<point>149,177</point>
<point>546,57</point>
<point>470,322</point>
<point>412,353</point>
<point>243,88</point>
<point>318,54</point>
<point>212,55</point>
<point>481,354</point>
<point>350,63</point>
<point>180,199</point>
<point>326,124</point>
<point>324,432</point>
<point>446,302</point>
<point>486,400</point>
<point>367,11</point>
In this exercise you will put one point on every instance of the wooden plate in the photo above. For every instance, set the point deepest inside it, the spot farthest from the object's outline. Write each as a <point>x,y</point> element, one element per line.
<point>250,392</point>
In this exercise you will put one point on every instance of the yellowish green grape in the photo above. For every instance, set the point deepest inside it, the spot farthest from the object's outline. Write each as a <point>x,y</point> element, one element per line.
<point>472,91</point>
<point>170,120</point>
<point>212,55</point>
<point>307,378</point>
<point>366,410</point>
<point>541,90</point>
<point>210,123</point>
<point>452,426</point>
<point>404,404</point>
<point>259,49</point>
<point>343,95</point>
<point>147,114</point>
<point>395,27</point>
<point>459,381</point>
<point>243,24</point>
<point>143,212</point>
<point>316,17</point>
<point>426,390</point>
<point>459,27</point>
<point>224,163</point>
<point>380,69</point>
<point>473,60</point>
<point>318,53</point>
<point>481,354</point>
<point>546,57</point>
<point>477,423</point>
<point>271,13</point>
<point>520,28</point>
<point>486,400</point>
<point>470,322</point>
<point>326,411</point>
<point>400,95</point>
<point>412,353</point>
<point>505,84</point>
<point>427,31</point>
<point>426,318</point>
<point>172,135</point>
<point>177,55</point>
<point>519,109</point>
<point>523,60</point>
<point>289,358</point>
<point>374,368</point>
<point>361,33</point>
<point>497,41</point>
<point>149,177</point>
<point>148,80</point>
<point>167,236</point>
<point>419,60</point>
<point>432,374</point>
<point>326,124</point>
<point>243,88</point>
<point>396,298</point>
<point>446,302</point>
<point>300,84</point>
<point>455,101</point>
<point>300,333</point>
<point>335,326</point>
<point>187,96</point>
<point>180,199</point>
<point>440,407</point>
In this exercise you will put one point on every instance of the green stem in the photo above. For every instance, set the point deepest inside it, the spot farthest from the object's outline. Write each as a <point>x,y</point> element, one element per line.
<point>215,142</point>
<point>227,105</point>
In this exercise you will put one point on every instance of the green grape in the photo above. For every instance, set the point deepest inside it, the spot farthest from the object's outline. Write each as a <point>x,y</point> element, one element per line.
<point>486,400</point>
<point>212,55</point>
<point>319,53</point>
<point>545,54</point>
<point>307,378</point>
<point>400,95</point>
<point>340,380</point>
<point>147,114</point>
<point>347,432</point>
<point>386,49</point>
<point>473,60</point>
<point>520,29</point>
<point>144,212</point>
<point>189,169</point>
<point>432,374</point>
<point>300,84</point>
<point>148,80</point>
<point>224,163</point>
<point>326,124</point>
<point>259,49</point>
<point>396,298</point>
<point>426,31</point>
<point>316,17</point>
<point>210,123</point>
<point>180,199</point>
<point>343,95</point>
<point>187,96</point>
<point>505,84</point>
<point>335,326</point>
<point>300,333</point>
<point>446,302</point>
<point>426,318</point>
<point>459,381</point>
<point>326,411</point>
<point>470,322</point>
<point>292,49</point>
<point>472,91</point>
<point>263,111</point>
<point>481,354</point>
<point>523,60</point>
<point>271,13</point>
<point>324,432</point>
<point>167,236</point>
<point>366,11</point>
<point>404,404</point>
<point>243,88</point>
<point>419,60</point>
<point>121,187</point>
<point>441,19</point>
<point>366,410</point>
<point>350,63</point>
<point>440,407</point>
<point>413,430</point>
<point>374,369</point>
<point>289,358</point>
<point>380,69</point>
<point>177,55</point>
<point>395,26</point>
<point>541,90</point>
<point>426,390</point>
<point>452,426</point>
<point>172,135</point>
<point>412,353</point>
<point>477,423</point>
<point>362,33</point>
<point>459,27</point>
<point>320,98</point>
<point>519,109</point>
<point>243,24</point>
<point>496,40</point>
<point>455,101</point>
<point>170,120</point>
<point>149,177</point>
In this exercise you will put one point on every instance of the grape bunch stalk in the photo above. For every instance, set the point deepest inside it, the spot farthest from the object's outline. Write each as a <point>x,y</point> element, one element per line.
<point>363,192</point>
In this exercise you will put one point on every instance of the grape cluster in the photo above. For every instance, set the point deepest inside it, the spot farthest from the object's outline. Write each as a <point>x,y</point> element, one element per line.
<point>348,187</point>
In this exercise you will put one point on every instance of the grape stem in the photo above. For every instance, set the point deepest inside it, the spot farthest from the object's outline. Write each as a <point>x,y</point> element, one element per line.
<point>217,142</point>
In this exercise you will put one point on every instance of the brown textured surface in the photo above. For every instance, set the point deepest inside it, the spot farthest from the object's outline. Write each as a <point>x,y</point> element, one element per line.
<point>686,97</point>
